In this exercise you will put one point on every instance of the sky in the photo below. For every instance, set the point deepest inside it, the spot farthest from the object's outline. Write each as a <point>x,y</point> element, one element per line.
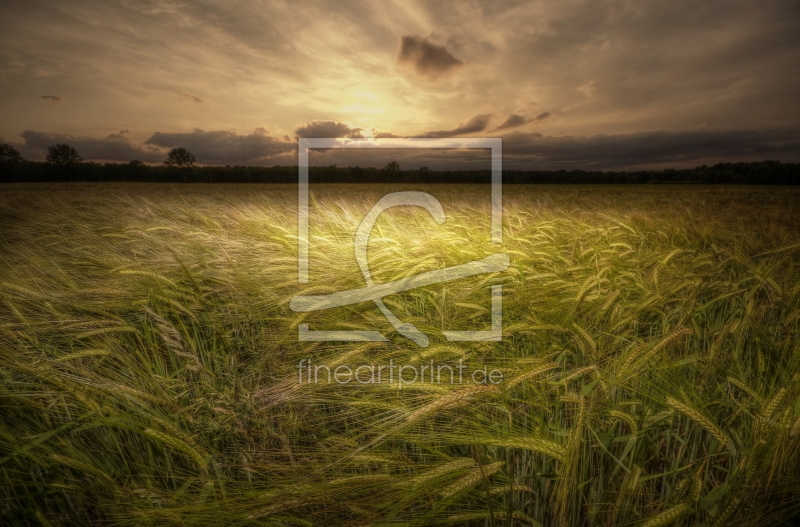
<point>611,85</point>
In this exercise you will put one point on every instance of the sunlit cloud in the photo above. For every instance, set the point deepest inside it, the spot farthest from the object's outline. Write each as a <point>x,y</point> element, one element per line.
<point>327,129</point>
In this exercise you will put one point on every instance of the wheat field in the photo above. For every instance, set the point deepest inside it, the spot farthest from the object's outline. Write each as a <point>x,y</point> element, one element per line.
<point>650,359</point>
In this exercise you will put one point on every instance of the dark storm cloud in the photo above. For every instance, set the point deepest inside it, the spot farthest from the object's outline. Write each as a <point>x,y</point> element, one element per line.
<point>542,116</point>
<point>528,151</point>
<point>223,147</point>
<point>327,129</point>
<point>534,150</point>
<point>655,149</point>
<point>476,124</point>
<point>54,98</point>
<point>428,59</point>
<point>113,147</point>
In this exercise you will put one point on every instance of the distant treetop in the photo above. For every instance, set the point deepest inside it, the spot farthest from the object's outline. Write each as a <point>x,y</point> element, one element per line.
<point>180,157</point>
<point>62,154</point>
<point>9,154</point>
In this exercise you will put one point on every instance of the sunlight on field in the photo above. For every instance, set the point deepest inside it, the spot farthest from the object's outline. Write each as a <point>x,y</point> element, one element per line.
<point>651,370</point>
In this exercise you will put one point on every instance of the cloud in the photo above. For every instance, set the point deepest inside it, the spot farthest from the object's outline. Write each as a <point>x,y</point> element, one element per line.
<point>54,98</point>
<point>218,147</point>
<point>113,147</point>
<point>689,148</point>
<point>191,97</point>
<point>327,129</point>
<point>429,60</point>
<point>476,124</point>
<point>655,65</point>
<point>512,121</point>
<point>224,147</point>
<point>535,151</point>
<point>153,7</point>
<point>385,135</point>
<point>521,150</point>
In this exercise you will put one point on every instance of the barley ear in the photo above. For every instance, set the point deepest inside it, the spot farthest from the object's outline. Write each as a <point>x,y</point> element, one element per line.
<point>668,516</point>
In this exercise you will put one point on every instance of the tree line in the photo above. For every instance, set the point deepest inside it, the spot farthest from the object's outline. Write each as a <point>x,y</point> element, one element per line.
<point>63,163</point>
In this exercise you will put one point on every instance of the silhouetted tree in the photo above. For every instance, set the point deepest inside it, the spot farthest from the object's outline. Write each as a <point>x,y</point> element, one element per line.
<point>392,169</point>
<point>9,154</point>
<point>63,155</point>
<point>355,173</point>
<point>180,157</point>
<point>136,164</point>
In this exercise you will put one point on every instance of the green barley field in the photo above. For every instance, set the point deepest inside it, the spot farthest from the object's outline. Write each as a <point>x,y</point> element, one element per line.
<point>650,359</point>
